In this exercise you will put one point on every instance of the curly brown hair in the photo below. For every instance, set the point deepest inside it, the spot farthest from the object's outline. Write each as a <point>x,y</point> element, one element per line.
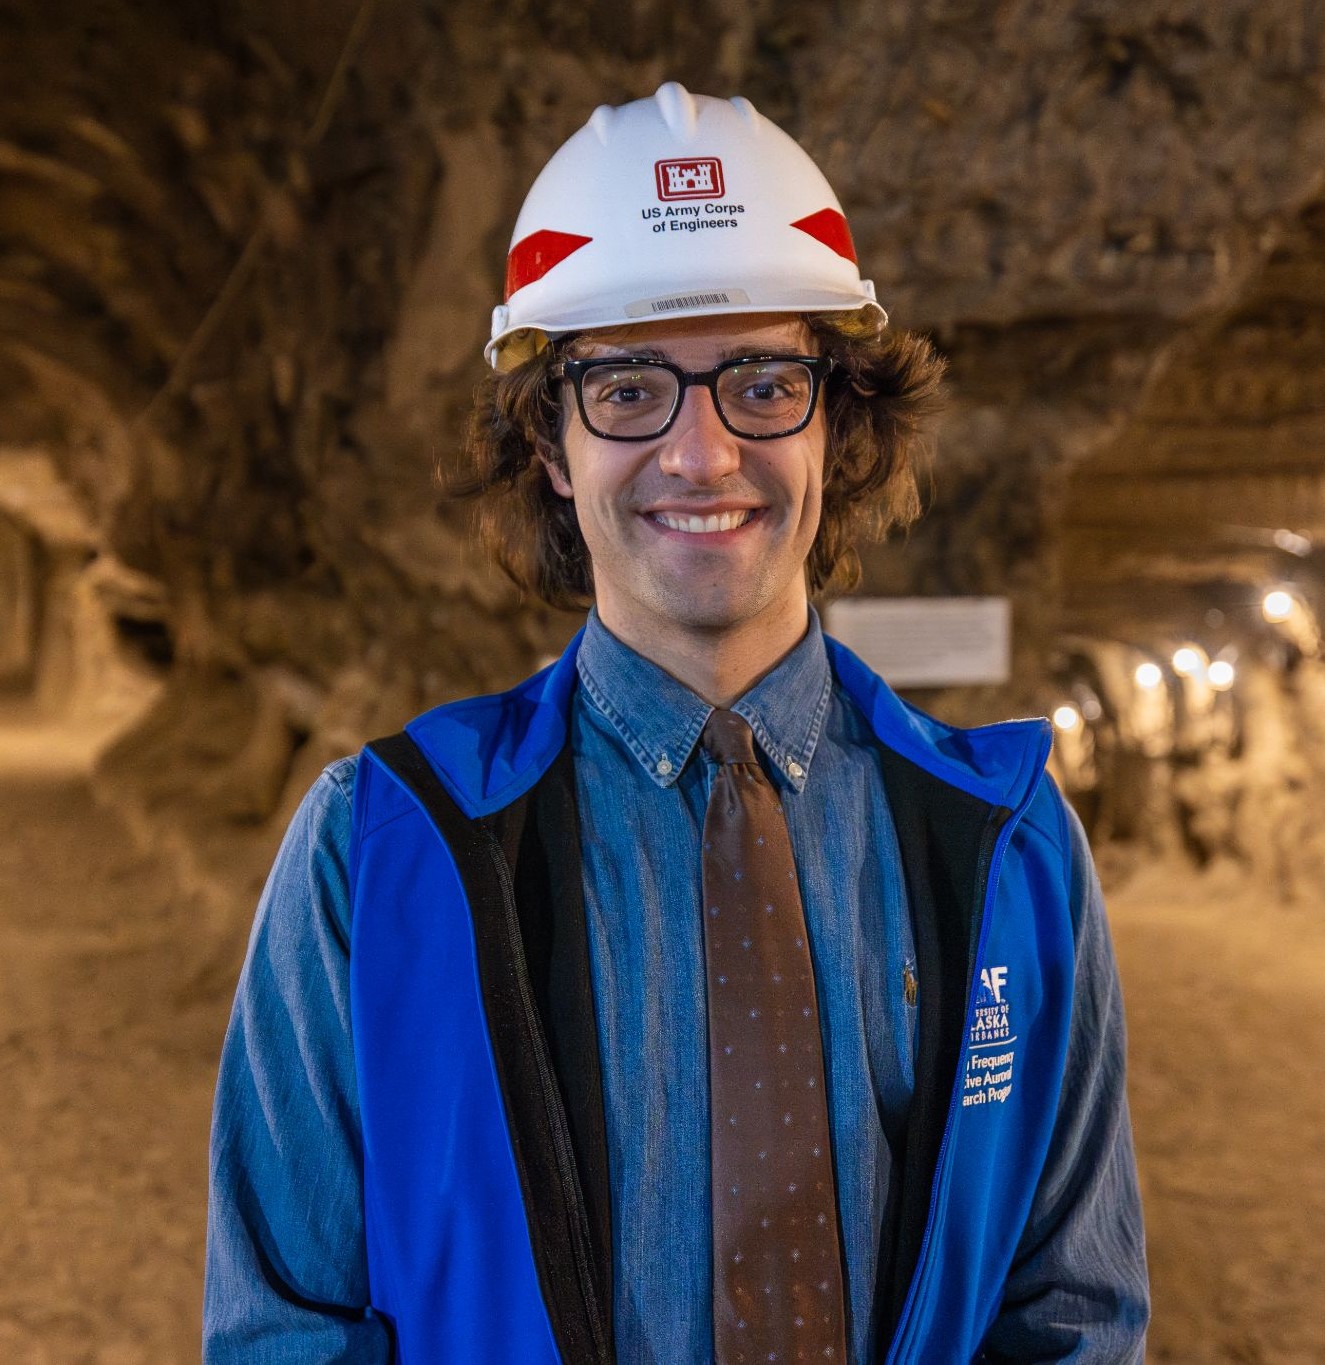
<point>877,397</point>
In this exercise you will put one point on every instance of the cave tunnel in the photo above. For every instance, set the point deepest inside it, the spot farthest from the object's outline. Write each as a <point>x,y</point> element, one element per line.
<point>248,258</point>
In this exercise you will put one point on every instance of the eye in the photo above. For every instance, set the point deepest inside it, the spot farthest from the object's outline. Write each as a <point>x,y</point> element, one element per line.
<point>628,387</point>
<point>765,389</point>
<point>766,386</point>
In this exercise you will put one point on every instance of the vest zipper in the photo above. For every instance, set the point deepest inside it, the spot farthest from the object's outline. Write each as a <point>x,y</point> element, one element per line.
<point>578,1231</point>
<point>988,870</point>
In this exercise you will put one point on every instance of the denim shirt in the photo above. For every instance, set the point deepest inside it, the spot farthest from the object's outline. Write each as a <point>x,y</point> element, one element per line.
<point>287,1267</point>
<point>643,782</point>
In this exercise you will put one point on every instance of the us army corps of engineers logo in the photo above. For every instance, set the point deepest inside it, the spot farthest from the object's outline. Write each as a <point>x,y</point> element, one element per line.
<point>991,1056</point>
<point>698,177</point>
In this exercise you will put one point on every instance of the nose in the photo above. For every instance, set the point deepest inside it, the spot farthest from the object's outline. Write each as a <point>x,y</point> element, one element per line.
<point>698,448</point>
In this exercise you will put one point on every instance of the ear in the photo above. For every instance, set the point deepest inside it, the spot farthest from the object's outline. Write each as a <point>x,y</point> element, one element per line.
<point>556,475</point>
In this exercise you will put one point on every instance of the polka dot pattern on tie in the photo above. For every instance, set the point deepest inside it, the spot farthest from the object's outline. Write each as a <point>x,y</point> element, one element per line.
<point>778,1287</point>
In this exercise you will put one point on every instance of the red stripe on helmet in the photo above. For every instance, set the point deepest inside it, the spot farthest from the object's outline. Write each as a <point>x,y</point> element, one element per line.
<point>829,227</point>
<point>533,256</point>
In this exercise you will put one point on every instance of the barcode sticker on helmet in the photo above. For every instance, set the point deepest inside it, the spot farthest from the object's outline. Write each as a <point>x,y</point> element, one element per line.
<point>676,303</point>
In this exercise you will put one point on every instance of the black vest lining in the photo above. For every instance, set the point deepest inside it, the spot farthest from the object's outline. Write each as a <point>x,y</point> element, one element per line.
<point>946,837</point>
<point>556,946</point>
<point>572,1250</point>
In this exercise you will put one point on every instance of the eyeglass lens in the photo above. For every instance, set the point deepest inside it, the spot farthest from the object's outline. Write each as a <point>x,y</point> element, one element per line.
<point>758,399</point>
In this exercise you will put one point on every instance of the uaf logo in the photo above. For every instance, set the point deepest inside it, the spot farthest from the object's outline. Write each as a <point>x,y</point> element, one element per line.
<point>992,981</point>
<point>697,178</point>
<point>991,1022</point>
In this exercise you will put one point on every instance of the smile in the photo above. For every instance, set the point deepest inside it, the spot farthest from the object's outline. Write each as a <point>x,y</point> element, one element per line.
<point>692,525</point>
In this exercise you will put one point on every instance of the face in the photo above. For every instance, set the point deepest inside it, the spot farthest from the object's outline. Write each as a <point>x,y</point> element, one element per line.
<point>634,499</point>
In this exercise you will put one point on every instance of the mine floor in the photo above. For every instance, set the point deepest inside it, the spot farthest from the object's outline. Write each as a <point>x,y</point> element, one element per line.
<point>109,1034</point>
<point>1225,991</point>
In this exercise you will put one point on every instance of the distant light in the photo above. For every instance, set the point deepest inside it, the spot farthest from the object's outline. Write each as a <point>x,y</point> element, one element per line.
<point>1148,675</point>
<point>1091,708</point>
<point>1221,674</point>
<point>1277,606</point>
<point>1189,660</point>
<point>1067,717</point>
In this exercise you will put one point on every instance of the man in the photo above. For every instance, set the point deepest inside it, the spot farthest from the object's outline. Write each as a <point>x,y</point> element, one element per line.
<point>697,999</point>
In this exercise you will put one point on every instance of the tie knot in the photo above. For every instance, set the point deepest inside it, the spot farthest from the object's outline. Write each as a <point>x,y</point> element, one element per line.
<point>727,738</point>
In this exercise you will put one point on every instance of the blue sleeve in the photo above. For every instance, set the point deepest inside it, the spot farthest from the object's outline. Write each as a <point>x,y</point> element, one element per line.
<point>1078,1289</point>
<point>287,1275</point>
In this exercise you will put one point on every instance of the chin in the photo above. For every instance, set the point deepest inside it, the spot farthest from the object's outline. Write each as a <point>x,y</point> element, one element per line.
<point>709,611</point>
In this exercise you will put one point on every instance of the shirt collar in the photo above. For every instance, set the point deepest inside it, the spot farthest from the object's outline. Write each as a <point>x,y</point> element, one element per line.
<point>660,719</point>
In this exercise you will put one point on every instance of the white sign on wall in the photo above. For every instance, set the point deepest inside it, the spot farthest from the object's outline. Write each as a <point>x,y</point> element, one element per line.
<point>928,641</point>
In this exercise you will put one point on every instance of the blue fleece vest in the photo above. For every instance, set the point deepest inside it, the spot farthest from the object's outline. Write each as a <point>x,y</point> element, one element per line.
<point>452,1262</point>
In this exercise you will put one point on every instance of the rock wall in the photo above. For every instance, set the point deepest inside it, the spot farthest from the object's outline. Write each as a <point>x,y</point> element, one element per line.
<point>249,253</point>
<point>1210,495</point>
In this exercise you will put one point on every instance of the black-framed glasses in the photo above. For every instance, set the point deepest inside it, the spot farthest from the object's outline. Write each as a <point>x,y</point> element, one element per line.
<point>759,397</point>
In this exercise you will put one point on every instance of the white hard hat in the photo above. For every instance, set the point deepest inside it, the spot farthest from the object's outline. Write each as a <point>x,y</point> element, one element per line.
<point>675,206</point>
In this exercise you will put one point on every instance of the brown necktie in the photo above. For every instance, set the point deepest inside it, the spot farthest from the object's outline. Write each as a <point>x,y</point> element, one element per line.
<point>777,1261</point>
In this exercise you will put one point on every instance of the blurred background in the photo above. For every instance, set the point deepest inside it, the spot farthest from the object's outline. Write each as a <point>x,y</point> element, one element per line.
<point>247,258</point>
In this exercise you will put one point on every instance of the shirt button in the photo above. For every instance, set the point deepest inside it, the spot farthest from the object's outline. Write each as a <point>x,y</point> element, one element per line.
<point>794,769</point>
<point>664,766</point>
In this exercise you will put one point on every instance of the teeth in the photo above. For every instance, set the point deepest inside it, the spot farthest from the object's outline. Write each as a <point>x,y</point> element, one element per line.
<point>725,521</point>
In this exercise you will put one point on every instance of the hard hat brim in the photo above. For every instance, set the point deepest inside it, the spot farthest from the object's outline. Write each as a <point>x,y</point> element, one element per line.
<point>514,345</point>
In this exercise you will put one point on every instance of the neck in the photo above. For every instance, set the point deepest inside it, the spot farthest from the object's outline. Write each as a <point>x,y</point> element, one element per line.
<point>720,665</point>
